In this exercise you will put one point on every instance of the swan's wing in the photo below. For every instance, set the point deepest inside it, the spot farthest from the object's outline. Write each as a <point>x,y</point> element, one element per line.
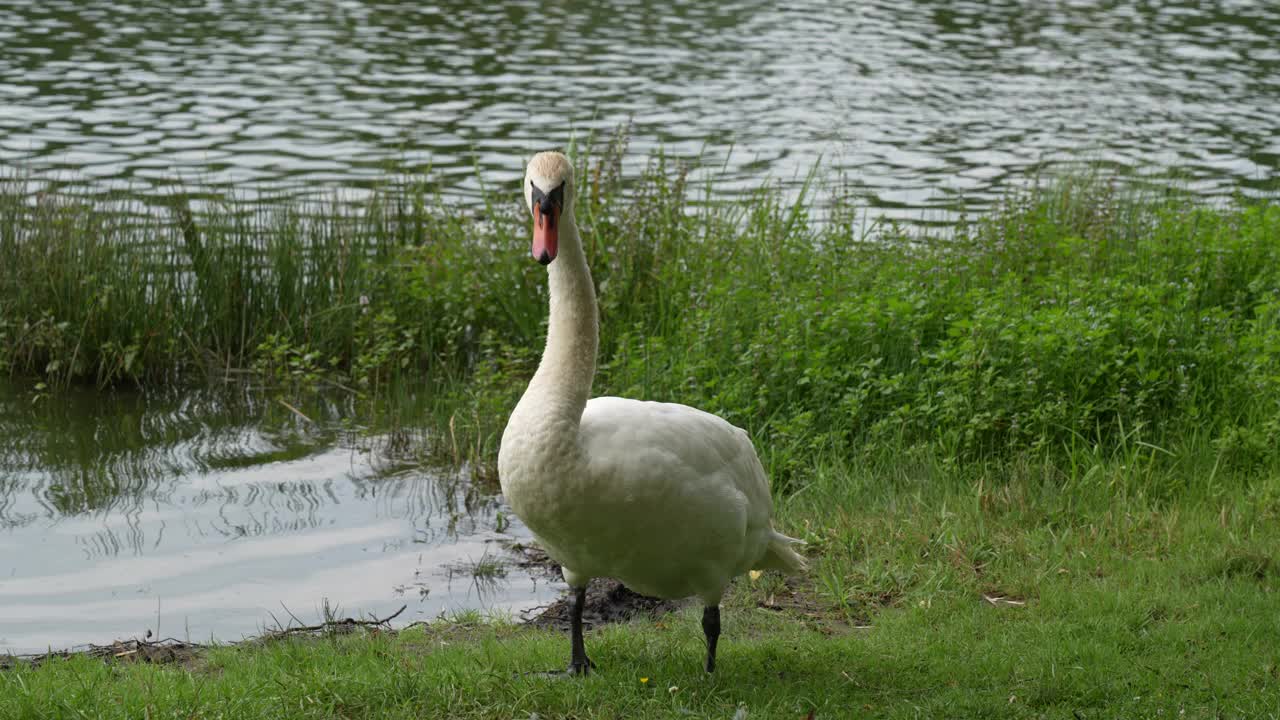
<point>676,450</point>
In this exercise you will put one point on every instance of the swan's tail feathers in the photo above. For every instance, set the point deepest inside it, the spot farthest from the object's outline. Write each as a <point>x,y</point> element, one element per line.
<point>781,555</point>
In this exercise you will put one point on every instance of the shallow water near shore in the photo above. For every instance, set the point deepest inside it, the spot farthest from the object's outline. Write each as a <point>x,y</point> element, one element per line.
<point>221,513</point>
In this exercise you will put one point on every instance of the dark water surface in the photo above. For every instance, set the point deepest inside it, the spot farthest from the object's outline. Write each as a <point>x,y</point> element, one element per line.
<point>219,513</point>
<point>926,106</point>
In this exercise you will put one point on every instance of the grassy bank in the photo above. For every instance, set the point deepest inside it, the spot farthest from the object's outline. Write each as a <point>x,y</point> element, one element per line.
<point>997,591</point>
<point>1036,459</point>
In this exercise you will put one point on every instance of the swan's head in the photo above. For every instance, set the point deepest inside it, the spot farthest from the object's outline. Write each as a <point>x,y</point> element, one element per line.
<point>548,191</point>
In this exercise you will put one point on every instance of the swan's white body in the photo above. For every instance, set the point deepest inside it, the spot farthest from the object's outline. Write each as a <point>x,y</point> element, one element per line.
<point>670,500</point>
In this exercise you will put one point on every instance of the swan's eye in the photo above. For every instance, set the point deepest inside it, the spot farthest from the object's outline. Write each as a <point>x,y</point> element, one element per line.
<point>535,193</point>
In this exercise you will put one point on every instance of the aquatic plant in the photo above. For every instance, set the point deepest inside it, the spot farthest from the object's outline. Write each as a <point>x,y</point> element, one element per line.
<point>1079,314</point>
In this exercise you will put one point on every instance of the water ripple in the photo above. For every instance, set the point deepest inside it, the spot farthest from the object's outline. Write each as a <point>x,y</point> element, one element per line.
<point>923,105</point>
<point>218,505</point>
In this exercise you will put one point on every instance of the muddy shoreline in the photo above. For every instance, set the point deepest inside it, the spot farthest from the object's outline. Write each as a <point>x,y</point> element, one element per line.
<point>608,601</point>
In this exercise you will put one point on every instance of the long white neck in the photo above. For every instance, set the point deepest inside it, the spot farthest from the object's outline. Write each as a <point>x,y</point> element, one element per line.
<point>561,387</point>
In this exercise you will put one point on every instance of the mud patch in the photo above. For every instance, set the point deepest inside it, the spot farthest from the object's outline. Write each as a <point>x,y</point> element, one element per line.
<point>163,652</point>
<point>608,601</point>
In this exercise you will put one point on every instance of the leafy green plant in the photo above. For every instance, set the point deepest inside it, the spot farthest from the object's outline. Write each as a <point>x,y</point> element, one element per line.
<point>1081,312</point>
<point>284,363</point>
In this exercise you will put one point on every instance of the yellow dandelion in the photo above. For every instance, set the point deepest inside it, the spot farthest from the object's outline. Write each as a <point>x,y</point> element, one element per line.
<point>755,575</point>
<point>644,681</point>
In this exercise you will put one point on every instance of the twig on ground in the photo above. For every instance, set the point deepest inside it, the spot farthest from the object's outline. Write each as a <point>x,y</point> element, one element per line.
<point>344,625</point>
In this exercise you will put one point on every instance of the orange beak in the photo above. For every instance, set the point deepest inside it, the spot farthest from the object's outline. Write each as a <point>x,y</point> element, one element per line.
<point>546,232</point>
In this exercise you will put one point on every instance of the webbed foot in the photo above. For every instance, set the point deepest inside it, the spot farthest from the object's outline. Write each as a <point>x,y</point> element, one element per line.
<point>582,666</point>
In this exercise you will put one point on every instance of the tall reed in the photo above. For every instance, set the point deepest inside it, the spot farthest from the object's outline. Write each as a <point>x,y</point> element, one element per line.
<point>1079,314</point>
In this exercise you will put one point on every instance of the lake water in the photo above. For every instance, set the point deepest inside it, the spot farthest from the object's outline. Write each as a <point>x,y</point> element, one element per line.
<point>925,107</point>
<point>221,513</point>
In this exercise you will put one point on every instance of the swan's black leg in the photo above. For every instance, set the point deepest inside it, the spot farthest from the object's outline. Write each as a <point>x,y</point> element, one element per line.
<point>711,627</point>
<point>579,663</point>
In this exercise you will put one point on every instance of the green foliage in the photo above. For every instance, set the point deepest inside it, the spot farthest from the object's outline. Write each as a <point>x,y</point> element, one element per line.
<point>1070,317</point>
<point>384,348</point>
<point>294,366</point>
<point>1077,314</point>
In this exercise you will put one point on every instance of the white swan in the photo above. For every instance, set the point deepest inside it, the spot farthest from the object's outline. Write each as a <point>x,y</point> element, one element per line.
<point>670,500</point>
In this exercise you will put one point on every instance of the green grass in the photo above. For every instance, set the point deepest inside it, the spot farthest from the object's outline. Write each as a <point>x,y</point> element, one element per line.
<point>1133,607</point>
<point>1039,456</point>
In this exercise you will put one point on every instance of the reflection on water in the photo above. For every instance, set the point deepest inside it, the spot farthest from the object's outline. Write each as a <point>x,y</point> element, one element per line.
<point>924,104</point>
<point>210,513</point>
